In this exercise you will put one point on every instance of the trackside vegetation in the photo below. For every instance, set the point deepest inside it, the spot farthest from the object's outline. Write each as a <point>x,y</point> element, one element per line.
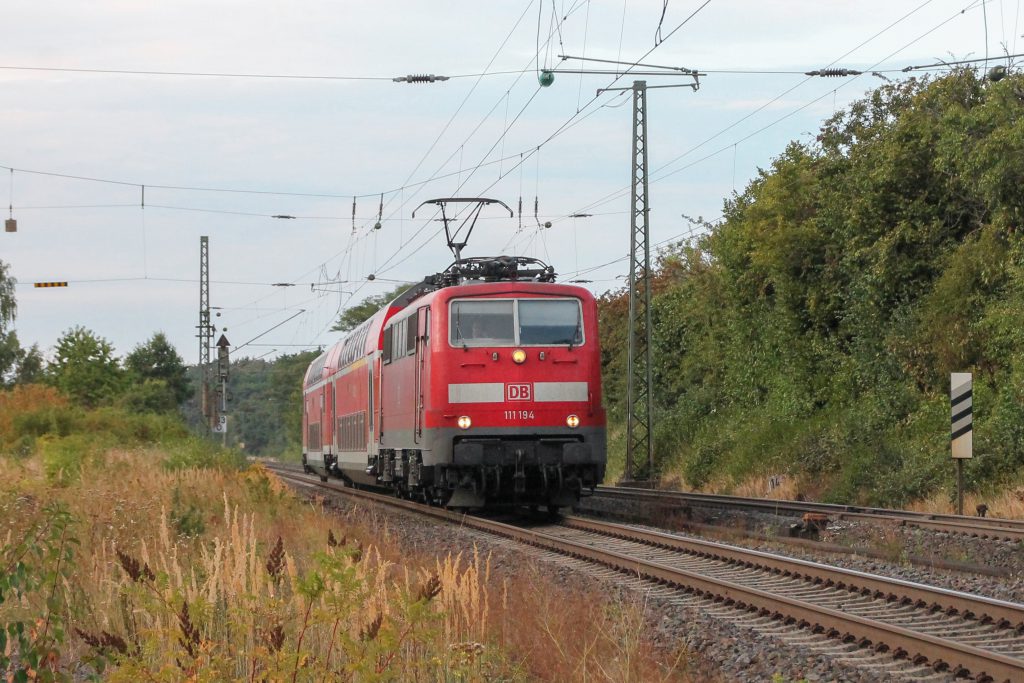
<point>131,550</point>
<point>811,331</point>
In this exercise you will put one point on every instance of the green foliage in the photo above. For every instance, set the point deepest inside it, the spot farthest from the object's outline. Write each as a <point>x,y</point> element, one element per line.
<point>266,404</point>
<point>122,428</point>
<point>85,368</point>
<point>156,364</point>
<point>8,306</point>
<point>17,365</point>
<point>33,570</point>
<point>197,452</point>
<point>352,317</point>
<point>186,517</point>
<point>149,396</point>
<point>813,330</point>
<point>63,457</point>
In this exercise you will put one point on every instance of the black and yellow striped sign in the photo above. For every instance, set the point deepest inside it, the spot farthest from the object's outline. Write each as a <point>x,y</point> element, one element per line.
<point>50,284</point>
<point>961,403</point>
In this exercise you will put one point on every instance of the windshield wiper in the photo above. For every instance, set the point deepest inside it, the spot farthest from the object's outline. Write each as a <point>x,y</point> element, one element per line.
<point>458,328</point>
<point>576,333</point>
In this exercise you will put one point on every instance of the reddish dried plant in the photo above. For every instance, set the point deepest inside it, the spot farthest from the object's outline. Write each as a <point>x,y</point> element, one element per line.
<point>134,568</point>
<point>189,633</point>
<point>275,563</point>
<point>104,641</point>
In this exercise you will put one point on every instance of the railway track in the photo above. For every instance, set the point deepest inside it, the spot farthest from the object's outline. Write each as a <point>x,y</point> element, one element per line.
<point>947,631</point>
<point>980,527</point>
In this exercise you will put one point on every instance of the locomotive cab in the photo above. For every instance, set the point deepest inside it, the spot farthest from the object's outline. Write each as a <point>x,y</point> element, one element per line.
<point>491,395</point>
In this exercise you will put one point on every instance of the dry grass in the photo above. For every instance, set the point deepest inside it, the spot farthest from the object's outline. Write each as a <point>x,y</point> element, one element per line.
<point>1008,503</point>
<point>574,635</point>
<point>779,487</point>
<point>232,603</point>
<point>213,574</point>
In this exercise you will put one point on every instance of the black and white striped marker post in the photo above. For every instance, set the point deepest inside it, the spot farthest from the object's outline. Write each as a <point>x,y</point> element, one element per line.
<point>961,405</point>
<point>961,402</point>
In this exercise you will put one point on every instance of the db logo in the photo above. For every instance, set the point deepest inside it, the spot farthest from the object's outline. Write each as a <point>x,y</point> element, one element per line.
<point>518,392</point>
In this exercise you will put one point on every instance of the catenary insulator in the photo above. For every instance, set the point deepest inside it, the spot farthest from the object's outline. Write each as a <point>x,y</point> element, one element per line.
<point>419,78</point>
<point>833,73</point>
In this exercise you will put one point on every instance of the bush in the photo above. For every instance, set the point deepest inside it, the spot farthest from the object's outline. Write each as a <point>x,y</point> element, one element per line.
<point>196,452</point>
<point>64,456</point>
<point>56,421</point>
<point>24,398</point>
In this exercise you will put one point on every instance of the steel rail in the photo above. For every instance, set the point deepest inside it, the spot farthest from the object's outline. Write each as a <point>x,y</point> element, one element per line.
<point>941,653</point>
<point>984,527</point>
<point>1000,612</point>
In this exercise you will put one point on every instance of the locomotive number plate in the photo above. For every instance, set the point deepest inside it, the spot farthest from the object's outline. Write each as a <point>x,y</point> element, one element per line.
<point>519,415</point>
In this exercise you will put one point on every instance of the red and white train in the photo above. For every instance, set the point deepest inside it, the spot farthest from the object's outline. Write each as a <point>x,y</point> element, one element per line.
<point>479,387</point>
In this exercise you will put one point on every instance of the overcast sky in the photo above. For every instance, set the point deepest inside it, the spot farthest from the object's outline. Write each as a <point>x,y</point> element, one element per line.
<point>134,271</point>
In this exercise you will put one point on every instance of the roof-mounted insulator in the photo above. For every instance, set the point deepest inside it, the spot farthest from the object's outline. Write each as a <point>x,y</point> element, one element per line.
<point>833,73</point>
<point>419,78</point>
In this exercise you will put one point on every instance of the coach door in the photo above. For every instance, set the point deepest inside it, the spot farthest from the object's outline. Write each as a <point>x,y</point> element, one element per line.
<point>422,340</point>
<point>371,411</point>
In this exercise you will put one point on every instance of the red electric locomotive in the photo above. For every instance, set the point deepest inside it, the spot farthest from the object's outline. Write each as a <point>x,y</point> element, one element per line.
<point>480,386</point>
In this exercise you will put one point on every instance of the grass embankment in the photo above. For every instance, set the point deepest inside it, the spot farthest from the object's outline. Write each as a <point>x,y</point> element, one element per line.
<point>132,551</point>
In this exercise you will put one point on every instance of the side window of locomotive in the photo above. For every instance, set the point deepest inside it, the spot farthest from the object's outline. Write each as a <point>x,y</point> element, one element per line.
<point>399,340</point>
<point>410,336</point>
<point>388,332</point>
<point>482,323</point>
<point>550,322</point>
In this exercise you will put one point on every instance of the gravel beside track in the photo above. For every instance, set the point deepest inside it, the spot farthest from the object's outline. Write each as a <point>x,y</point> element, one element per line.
<point>897,543</point>
<point>736,645</point>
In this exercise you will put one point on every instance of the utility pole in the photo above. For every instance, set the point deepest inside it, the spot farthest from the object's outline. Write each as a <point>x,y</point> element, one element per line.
<point>639,440</point>
<point>205,330</point>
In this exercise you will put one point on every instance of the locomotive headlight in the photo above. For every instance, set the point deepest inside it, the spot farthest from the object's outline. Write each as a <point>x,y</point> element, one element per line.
<point>465,422</point>
<point>519,356</point>
<point>573,421</point>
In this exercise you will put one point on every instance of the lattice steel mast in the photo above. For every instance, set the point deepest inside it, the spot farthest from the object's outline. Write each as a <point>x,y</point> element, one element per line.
<point>639,383</point>
<point>639,441</point>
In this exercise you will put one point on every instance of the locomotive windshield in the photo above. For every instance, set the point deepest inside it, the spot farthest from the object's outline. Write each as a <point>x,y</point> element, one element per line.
<point>519,322</point>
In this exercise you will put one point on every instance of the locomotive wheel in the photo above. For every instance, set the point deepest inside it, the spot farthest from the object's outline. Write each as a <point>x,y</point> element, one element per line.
<point>323,478</point>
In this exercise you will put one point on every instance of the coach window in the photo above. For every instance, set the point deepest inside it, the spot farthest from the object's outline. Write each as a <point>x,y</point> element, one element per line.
<point>482,323</point>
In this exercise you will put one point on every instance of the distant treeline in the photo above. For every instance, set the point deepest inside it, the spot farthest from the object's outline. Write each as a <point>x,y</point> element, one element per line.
<point>264,404</point>
<point>813,329</point>
<point>264,397</point>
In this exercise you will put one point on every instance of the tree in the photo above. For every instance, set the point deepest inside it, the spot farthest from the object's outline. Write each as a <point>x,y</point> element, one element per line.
<point>17,366</point>
<point>8,341</point>
<point>351,318</point>
<point>84,367</point>
<point>30,368</point>
<point>812,331</point>
<point>157,359</point>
